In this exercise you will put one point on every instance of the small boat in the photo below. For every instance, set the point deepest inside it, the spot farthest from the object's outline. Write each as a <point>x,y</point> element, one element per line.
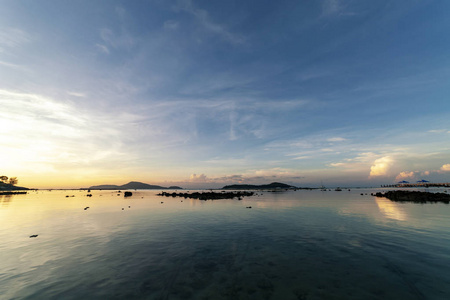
<point>338,189</point>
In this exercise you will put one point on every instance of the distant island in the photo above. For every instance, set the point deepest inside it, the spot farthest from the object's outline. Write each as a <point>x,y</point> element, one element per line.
<point>133,185</point>
<point>10,187</point>
<point>273,185</point>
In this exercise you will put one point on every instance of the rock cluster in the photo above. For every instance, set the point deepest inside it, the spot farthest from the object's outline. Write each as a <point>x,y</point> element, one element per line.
<point>414,196</point>
<point>209,195</point>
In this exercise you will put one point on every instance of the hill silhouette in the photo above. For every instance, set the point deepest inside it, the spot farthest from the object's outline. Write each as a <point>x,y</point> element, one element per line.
<point>273,185</point>
<point>132,185</point>
<point>10,187</point>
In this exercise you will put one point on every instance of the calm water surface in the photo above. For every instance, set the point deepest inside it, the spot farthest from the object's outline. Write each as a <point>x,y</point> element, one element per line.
<point>290,245</point>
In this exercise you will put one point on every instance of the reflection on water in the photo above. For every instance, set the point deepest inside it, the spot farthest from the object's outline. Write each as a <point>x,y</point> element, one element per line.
<point>390,209</point>
<point>294,245</point>
<point>6,199</point>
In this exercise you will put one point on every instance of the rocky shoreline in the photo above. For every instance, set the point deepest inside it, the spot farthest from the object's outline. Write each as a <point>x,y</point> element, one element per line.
<point>415,196</point>
<point>209,195</point>
<point>12,193</point>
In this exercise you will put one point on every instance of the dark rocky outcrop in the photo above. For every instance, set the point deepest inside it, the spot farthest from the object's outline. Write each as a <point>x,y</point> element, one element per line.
<point>414,196</point>
<point>209,195</point>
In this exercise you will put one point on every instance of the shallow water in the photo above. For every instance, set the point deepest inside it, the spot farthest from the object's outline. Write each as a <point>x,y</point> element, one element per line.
<point>289,245</point>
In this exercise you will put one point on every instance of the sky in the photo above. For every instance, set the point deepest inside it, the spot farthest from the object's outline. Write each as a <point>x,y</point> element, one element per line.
<point>202,94</point>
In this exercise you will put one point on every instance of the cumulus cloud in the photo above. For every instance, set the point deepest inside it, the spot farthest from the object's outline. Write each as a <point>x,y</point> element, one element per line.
<point>252,177</point>
<point>405,175</point>
<point>381,166</point>
<point>445,167</point>
<point>198,178</point>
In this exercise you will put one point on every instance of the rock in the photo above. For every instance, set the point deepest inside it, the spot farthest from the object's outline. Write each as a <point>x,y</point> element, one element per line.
<point>209,195</point>
<point>417,197</point>
<point>128,194</point>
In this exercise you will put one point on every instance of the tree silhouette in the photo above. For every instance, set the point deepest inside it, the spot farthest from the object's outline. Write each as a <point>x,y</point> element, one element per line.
<point>13,180</point>
<point>4,178</point>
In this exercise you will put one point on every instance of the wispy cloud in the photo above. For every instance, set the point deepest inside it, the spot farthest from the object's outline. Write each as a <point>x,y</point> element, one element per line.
<point>115,40</point>
<point>171,24</point>
<point>40,132</point>
<point>76,94</point>
<point>14,66</point>
<point>336,8</point>
<point>330,7</point>
<point>13,37</point>
<point>336,139</point>
<point>102,48</point>
<point>208,24</point>
<point>439,131</point>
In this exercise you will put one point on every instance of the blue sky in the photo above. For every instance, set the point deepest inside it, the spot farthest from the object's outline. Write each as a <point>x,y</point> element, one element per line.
<point>207,93</point>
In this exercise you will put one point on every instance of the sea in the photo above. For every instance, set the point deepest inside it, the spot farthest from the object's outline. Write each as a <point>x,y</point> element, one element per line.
<point>304,244</point>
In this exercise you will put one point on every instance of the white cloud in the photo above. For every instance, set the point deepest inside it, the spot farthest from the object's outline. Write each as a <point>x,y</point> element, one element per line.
<point>405,175</point>
<point>381,166</point>
<point>339,164</point>
<point>445,167</point>
<point>302,157</point>
<point>336,139</point>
